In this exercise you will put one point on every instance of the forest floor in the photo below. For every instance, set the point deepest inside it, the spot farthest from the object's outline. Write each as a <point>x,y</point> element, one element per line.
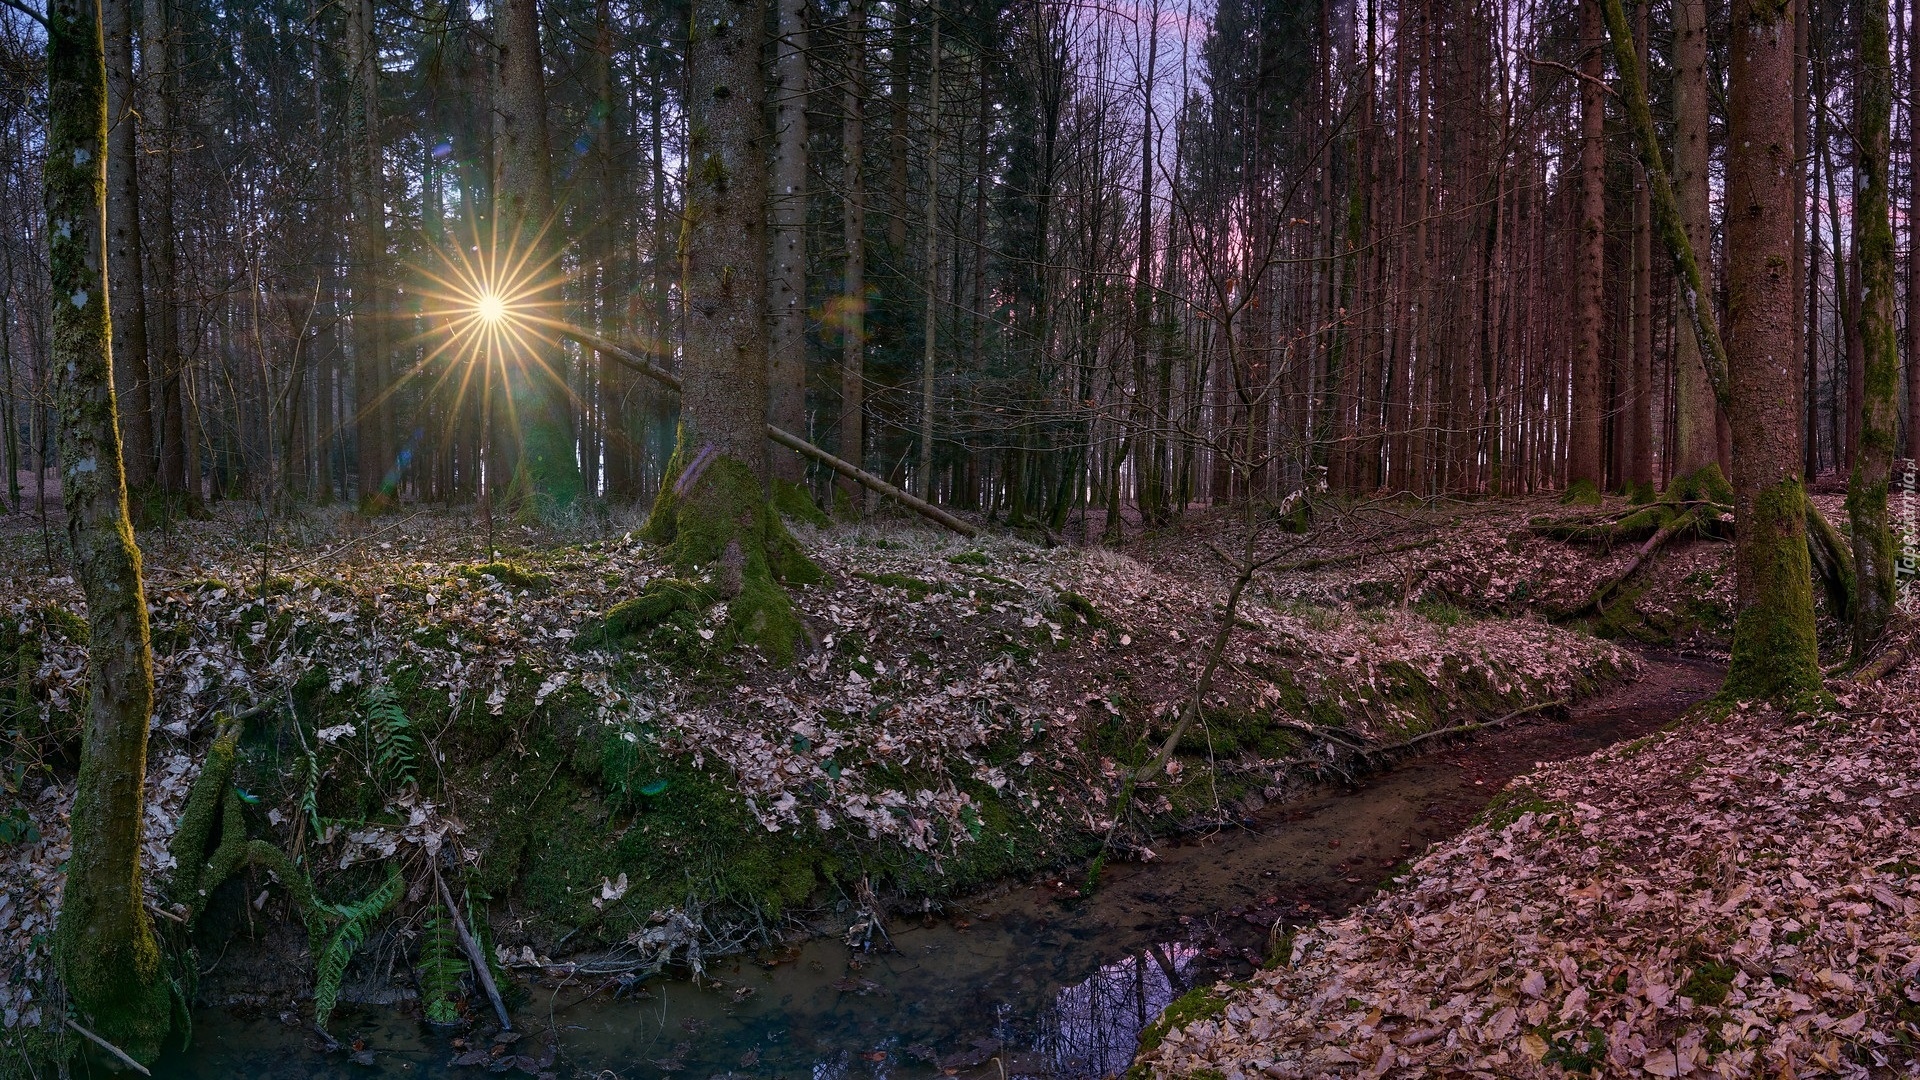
<point>962,717</point>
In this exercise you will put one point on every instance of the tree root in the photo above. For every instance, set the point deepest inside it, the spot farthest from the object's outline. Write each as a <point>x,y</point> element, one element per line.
<point>1832,562</point>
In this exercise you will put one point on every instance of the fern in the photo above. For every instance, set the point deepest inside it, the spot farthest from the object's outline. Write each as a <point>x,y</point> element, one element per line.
<point>356,919</point>
<point>394,745</point>
<point>440,968</point>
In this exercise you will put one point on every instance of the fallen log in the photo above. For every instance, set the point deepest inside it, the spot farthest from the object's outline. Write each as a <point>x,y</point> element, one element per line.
<point>635,362</point>
<point>1881,666</point>
<point>1597,601</point>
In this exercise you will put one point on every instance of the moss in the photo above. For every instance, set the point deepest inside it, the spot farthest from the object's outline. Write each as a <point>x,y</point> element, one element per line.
<point>1706,483</point>
<point>1081,607</point>
<point>1200,1003</point>
<point>1710,982</point>
<point>1581,493</point>
<point>509,574</point>
<point>1776,656</point>
<point>912,586</point>
<point>1640,494</point>
<point>62,623</point>
<point>793,502</point>
<point>720,520</point>
<point>969,558</point>
<point>662,598</point>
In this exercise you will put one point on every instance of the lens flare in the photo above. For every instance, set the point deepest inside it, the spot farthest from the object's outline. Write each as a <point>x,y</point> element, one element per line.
<point>490,308</point>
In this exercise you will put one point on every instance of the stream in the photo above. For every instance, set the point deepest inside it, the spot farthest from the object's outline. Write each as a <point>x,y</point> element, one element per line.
<point>1031,981</point>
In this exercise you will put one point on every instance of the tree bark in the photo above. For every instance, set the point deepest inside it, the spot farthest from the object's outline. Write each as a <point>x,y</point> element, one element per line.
<point>923,474</point>
<point>1639,471</point>
<point>104,945</point>
<point>547,476</point>
<point>372,410</point>
<point>164,361</point>
<point>713,506</point>
<point>1775,655</point>
<point>1879,373</point>
<point>853,298</point>
<point>126,278</point>
<point>787,301</point>
<point>1585,466</point>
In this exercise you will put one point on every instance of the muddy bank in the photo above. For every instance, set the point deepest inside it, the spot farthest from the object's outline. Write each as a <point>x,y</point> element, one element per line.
<point>1035,980</point>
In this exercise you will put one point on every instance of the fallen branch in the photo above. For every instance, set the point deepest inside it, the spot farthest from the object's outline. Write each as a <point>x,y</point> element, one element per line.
<point>481,971</point>
<point>1463,729</point>
<point>635,362</point>
<point>1882,665</point>
<point>109,1048</point>
<point>1597,601</point>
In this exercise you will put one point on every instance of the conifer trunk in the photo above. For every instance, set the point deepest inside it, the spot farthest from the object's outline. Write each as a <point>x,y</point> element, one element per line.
<point>1774,651</point>
<point>1585,465</point>
<point>786,339</point>
<point>1879,373</point>
<point>853,298</point>
<point>547,475</point>
<point>713,507</point>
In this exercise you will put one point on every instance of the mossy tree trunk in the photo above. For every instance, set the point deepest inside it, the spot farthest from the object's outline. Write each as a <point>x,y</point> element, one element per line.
<point>714,506</point>
<point>546,475</point>
<point>1878,421</point>
<point>104,945</point>
<point>1775,655</point>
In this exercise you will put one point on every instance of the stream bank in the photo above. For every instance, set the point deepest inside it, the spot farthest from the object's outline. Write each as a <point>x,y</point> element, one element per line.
<point>1033,980</point>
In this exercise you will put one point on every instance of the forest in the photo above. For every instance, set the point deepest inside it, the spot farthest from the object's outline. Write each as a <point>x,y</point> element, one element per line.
<point>901,539</point>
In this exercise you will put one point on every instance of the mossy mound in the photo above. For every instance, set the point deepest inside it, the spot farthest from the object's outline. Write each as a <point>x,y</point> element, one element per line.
<point>714,517</point>
<point>510,574</point>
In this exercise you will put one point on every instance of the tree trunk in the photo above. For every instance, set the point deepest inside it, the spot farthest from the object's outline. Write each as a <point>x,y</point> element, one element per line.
<point>786,338</point>
<point>923,475</point>
<point>713,506</point>
<point>104,945</point>
<point>164,361</point>
<point>1775,655</point>
<point>1639,471</point>
<point>853,299</point>
<point>125,275</point>
<point>1878,378</point>
<point>1913,242</point>
<point>1585,464</point>
<point>367,183</point>
<point>1696,414</point>
<point>546,475</point>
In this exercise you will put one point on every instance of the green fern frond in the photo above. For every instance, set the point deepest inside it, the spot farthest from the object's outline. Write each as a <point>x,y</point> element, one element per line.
<point>394,745</point>
<point>440,968</point>
<point>357,917</point>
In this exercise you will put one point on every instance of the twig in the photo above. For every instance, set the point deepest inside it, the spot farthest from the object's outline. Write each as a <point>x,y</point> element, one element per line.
<point>109,1047</point>
<point>478,958</point>
<point>324,556</point>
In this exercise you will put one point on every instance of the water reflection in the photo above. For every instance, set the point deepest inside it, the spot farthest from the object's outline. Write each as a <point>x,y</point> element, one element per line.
<point>1095,1024</point>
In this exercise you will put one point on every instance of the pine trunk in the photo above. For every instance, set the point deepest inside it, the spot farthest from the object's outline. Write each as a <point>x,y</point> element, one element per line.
<point>1775,655</point>
<point>787,301</point>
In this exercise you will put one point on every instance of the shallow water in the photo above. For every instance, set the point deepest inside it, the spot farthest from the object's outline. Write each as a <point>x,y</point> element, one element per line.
<point>1032,982</point>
